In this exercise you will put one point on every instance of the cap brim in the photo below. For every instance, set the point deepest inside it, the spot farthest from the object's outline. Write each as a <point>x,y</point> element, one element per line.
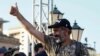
<point>54,26</point>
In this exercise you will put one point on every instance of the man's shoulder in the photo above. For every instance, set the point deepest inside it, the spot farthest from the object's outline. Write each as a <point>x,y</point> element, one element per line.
<point>74,41</point>
<point>77,43</point>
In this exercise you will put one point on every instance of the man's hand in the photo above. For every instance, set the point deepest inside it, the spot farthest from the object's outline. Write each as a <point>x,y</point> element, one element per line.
<point>14,11</point>
<point>29,27</point>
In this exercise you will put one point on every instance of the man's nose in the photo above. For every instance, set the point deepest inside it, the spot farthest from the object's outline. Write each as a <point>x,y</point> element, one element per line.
<point>56,35</point>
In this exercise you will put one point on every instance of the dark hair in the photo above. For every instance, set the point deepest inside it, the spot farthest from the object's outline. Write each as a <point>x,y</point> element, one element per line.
<point>20,54</point>
<point>37,46</point>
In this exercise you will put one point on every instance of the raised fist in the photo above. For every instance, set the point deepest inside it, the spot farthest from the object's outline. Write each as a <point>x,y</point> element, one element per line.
<point>14,11</point>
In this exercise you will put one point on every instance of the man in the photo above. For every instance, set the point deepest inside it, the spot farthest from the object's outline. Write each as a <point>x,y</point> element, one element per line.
<point>59,43</point>
<point>20,54</point>
<point>10,51</point>
<point>39,50</point>
<point>2,51</point>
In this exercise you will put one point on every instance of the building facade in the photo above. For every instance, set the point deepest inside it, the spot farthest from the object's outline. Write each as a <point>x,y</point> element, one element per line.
<point>7,42</point>
<point>92,51</point>
<point>27,40</point>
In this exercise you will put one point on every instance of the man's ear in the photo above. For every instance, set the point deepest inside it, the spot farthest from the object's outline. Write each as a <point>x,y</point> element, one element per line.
<point>69,32</point>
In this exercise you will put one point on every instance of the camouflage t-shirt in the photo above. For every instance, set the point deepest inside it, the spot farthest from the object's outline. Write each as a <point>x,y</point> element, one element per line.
<point>74,49</point>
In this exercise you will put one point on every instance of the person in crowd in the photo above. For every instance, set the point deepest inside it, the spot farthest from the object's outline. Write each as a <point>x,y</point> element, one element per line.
<point>3,50</point>
<point>20,54</point>
<point>39,50</point>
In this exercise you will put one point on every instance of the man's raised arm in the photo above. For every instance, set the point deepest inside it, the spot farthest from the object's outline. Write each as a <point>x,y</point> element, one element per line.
<point>31,29</point>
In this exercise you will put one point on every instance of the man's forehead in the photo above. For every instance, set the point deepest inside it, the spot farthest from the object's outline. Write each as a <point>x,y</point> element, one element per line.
<point>57,28</point>
<point>63,28</point>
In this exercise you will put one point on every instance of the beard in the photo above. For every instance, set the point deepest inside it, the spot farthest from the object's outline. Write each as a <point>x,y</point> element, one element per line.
<point>59,40</point>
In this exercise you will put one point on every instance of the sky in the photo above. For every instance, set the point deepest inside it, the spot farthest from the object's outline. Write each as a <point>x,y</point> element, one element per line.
<point>85,12</point>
